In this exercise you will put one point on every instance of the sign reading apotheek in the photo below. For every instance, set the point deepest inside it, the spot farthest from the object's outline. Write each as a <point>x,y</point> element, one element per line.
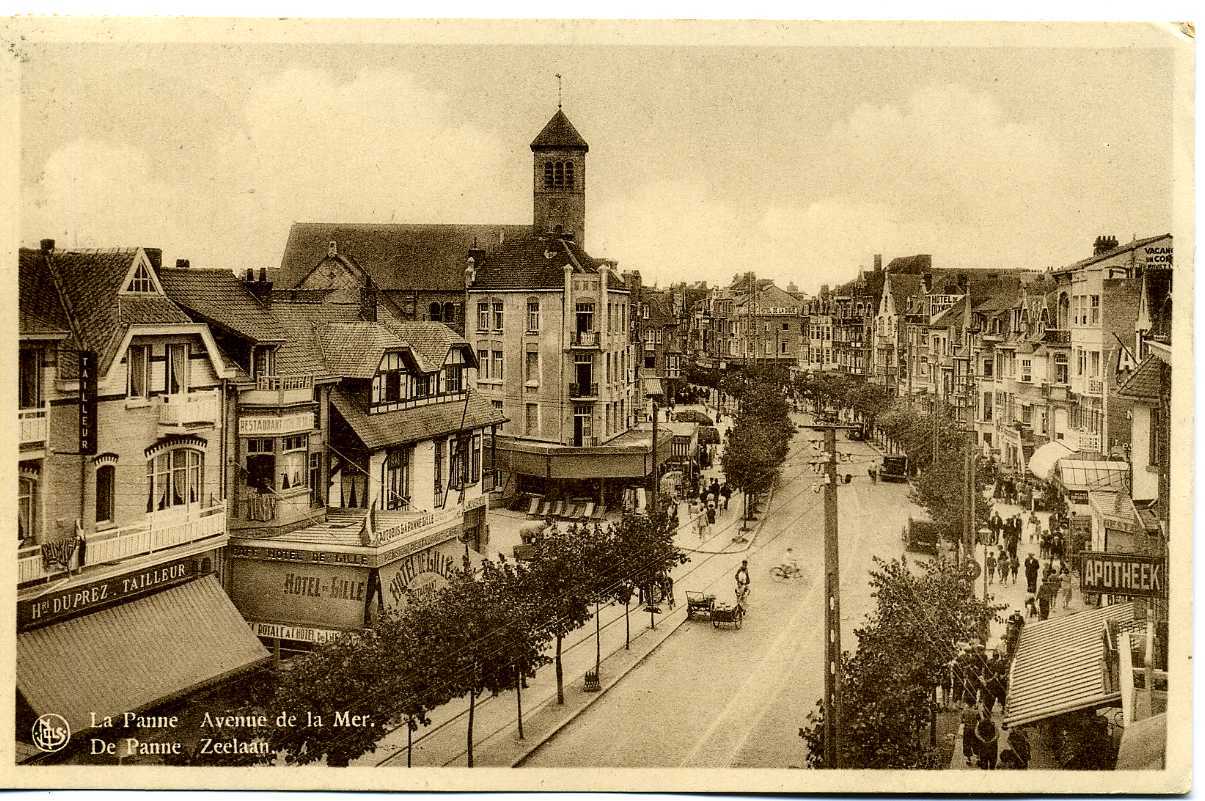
<point>78,600</point>
<point>1123,574</point>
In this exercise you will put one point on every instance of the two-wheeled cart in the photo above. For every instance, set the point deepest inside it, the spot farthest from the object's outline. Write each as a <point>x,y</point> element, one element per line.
<point>699,605</point>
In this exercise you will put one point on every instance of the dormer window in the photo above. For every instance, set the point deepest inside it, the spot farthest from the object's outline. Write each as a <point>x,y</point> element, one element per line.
<point>141,282</point>
<point>387,383</point>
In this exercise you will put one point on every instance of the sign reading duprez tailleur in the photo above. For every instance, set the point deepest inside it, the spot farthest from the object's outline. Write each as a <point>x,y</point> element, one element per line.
<point>87,402</point>
<point>1123,574</point>
<point>60,604</point>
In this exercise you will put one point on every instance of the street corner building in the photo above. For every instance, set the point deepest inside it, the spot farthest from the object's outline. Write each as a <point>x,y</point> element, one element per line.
<point>122,509</point>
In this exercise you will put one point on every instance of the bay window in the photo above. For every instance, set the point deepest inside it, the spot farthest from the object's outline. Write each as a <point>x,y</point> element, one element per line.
<point>276,464</point>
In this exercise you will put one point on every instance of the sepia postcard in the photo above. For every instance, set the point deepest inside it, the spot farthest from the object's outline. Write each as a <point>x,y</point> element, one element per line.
<point>647,406</point>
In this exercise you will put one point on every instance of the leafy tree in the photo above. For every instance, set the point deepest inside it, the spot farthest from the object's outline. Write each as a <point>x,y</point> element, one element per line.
<point>888,683</point>
<point>938,488</point>
<point>643,550</point>
<point>563,586</point>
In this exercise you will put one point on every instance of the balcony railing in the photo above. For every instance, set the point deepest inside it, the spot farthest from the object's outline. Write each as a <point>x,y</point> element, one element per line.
<point>583,390</point>
<point>159,531</point>
<point>260,508</point>
<point>584,339</point>
<point>189,408</point>
<point>281,389</point>
<point>31,423</point>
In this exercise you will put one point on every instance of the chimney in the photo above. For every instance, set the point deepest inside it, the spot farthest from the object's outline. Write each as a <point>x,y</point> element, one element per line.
<point>332,249</point>
<point>926,282</point>
<point>47,245</point>
<point>155,257</point>
<point>261,289</point>
<point>1104,244</point>
<point>368,302</point>
<point>878,262</point>
<point>181,264</point>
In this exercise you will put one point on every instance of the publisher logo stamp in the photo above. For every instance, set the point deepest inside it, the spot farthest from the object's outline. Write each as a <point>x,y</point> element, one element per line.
<point>51,733</point>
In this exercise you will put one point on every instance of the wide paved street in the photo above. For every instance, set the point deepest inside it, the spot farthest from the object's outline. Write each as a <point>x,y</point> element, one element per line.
<point>736,698</point>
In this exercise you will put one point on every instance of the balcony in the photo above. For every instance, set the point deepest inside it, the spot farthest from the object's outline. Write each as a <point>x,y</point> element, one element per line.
<point>583,390</point>
<point>583,339</point>
<point>31,425</point>
<point>1056,336</point>
<point>1094,386</point>
<point>277,390</point>
<point>190,409</point>
<point>160,531</point>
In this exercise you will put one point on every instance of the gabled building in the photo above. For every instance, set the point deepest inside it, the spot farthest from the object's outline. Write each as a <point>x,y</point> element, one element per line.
<point>121,500</point>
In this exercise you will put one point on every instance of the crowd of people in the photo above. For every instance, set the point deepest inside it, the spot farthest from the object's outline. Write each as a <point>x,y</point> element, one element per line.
<point>977,681</point>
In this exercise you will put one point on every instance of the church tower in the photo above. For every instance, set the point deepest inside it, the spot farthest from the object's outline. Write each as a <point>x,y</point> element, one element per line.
<point>559,184</point>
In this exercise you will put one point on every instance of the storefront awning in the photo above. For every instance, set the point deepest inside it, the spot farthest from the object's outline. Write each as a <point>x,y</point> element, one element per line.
<point>1046,458</point>
<point>1083,475</point>
<point>652,386</point>
<point>135,655</point>
<point>1143,744</point>
<point>1061,666</point>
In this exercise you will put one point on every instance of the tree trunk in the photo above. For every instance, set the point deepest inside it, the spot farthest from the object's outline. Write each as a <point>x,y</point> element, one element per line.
<point>519,699</point>
<point>560,675</point>
<point>409,741</point>
<point>472,709</point>
<point>627,628</point>
<point>597,640</point>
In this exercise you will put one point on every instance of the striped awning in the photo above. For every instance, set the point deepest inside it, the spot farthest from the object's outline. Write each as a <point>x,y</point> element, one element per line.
<point>1062,665</point>
<point>652,386</point>
<point>134,655</point>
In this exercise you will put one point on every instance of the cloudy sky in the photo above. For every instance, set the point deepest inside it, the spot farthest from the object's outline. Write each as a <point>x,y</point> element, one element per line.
<point>796,162</point>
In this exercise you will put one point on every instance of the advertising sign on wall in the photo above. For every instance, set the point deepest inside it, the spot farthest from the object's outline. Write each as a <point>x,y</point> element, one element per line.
<point>87,402</point>
<point>421,573</point>
<point>324,596</point>
<point>78,600</point>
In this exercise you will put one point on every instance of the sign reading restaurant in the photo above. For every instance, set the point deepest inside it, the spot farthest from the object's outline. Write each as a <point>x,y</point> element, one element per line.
<point>1123,574</point>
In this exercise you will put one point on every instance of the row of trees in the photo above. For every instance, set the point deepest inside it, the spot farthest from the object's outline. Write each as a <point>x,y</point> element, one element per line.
<point>889,683</point>
<point>760,437</point>
<point>486,631</point>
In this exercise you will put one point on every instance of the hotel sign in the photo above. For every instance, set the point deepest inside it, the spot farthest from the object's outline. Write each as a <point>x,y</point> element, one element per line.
<point>60,604</point>
<point>284,631</point>
<point>1123,574</point>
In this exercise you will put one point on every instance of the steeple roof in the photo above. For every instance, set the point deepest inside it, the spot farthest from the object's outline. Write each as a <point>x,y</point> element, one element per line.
<point>559,133</point>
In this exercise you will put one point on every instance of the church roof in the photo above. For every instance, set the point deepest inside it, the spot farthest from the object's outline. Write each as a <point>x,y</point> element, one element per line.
<point>396,256</point>
<point>559,133</point>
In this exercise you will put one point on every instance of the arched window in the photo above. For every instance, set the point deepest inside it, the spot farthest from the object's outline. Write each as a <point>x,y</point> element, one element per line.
<point>560,174</point>
<point>548,175</point>
<point>175,478</point>
<point>105,483</point>
<point>568,174</point>
<point>435,312</point>
<point>449,313</point>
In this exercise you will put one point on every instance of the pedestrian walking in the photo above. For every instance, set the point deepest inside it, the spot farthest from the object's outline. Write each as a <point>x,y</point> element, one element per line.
<point>1031,607</point>
<point>1002,563</point>
<point>725,495</point>
<point>1014,565</point>
<point>989,565</point>
<point>1046,595</point>
<point>1031,574</point>
<point>701,524</point>
<point>987,741</point>
<point>1066,585</point>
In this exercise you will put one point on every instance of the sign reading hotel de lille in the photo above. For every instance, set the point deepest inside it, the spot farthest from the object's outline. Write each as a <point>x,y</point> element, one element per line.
<point>1123,574</point>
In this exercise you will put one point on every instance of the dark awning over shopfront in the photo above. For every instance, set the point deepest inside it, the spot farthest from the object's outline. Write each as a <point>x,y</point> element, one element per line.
<point>1062,665</point>
<point>135,655</point>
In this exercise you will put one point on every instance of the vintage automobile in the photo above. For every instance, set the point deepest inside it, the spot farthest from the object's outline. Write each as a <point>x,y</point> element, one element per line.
<point>895,468</point>
<point>921,535</point>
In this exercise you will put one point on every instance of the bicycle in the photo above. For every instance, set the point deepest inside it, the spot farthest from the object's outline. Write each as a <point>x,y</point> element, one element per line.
<point>787,571</point>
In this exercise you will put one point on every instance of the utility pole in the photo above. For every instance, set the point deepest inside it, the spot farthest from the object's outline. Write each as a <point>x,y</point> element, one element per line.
<point>656,478</point>
<point>832,609</point>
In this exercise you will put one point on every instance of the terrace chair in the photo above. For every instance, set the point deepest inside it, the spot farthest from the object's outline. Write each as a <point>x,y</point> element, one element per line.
<point>534,505</point>
<point>600,511</point>
<point>571,511</point>
<point>545,509</point>
<point>587,510</point>
<point>558,510</point>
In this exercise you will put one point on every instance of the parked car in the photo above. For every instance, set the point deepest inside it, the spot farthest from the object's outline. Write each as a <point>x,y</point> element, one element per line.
<point>895,468</point>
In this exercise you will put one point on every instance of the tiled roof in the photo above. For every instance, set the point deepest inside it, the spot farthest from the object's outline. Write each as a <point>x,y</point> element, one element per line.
<point>951,316</point>
<point>91,281</point>
<point>1128,246</point>
<point>910,264</point>
<point>412,425</point>
<point>534,262</point>
<point>39,309</point>
<point>1146,383</point>
<point>432,341</point>
<point>903,286</point>
<point>301,353</point>
<point>405,256</point>
<point>559,133</point>
<point>354,350</point>
<point>221,298</point>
